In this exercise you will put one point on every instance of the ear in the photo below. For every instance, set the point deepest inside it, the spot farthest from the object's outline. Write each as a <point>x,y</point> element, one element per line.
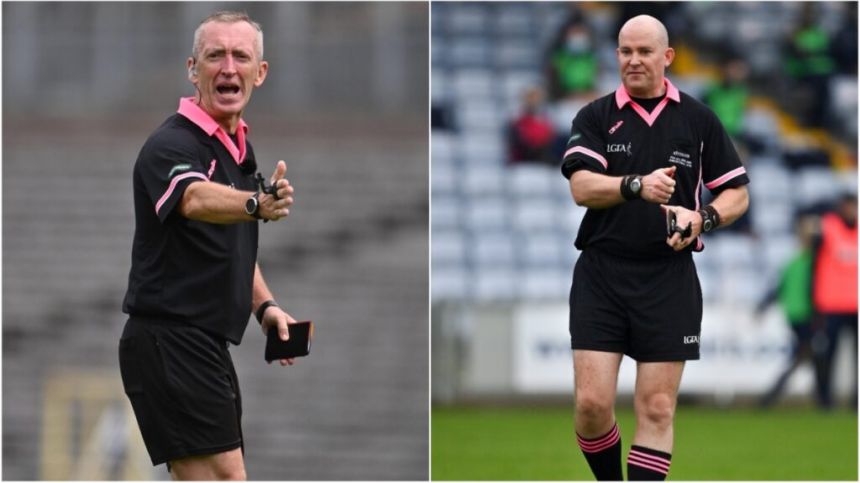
<point>669,56</point>
<point>261,73</point>
<point>192,70</point>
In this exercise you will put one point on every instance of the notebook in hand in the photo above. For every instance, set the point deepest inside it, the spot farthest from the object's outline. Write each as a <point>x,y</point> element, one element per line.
<point>298,345</point>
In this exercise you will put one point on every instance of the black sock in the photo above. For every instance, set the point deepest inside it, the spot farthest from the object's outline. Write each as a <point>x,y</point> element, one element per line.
<point>646,464</point>
<point>603,454</point>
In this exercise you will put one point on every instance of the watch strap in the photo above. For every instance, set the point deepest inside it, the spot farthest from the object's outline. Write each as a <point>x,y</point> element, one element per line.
<point>710,218</point>
<point>262,309</point>
<point>256,212</point>
<point>626,191</point>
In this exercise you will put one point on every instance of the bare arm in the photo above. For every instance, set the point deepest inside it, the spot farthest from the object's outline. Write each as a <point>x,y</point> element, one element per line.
<point>731,204</point>
<point>214,203</point>
<point>599,191</point>
<point>217,203</point>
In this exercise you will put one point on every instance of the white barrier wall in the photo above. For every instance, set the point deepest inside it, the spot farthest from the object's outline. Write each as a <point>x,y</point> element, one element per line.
<point>524,349</point>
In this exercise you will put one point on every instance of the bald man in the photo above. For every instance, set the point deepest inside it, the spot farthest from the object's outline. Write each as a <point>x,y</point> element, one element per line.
<point>638,159</point>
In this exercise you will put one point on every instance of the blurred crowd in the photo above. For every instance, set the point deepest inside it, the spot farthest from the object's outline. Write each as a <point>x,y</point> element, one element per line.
<point>812,57</point>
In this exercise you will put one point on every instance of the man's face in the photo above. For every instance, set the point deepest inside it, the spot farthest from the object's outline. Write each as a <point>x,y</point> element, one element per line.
<point>227,68</point>
<point>642,60</point>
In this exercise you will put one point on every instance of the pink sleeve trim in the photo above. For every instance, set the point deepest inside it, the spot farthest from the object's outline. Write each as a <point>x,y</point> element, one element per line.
<point>172,186</point>
<point>726,177</point>
<point>587,152</point>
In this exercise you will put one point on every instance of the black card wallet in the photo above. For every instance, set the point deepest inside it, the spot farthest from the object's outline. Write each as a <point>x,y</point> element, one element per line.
<point>298,345</point>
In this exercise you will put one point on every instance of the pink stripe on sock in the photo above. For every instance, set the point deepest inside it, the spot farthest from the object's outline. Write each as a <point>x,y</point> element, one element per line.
<point>600,444</point>
<point>636,459</point>
<point>640,464</point>
<point>651,457</point>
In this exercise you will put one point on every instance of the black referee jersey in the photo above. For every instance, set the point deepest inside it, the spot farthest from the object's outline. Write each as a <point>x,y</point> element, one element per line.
<point>614,135</point>
<point>182,270</point>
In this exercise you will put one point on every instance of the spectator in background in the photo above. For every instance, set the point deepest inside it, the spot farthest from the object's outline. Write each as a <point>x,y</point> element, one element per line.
<point>794,294</point>
<point>835,286</point>
<point>573,66</point>
<point>531,136</point>
<point>728,97</point>
<point>809,64</point>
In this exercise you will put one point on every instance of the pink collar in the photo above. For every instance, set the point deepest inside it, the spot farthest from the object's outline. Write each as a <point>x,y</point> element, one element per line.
<point>189,109</point>
<point>622,98</point>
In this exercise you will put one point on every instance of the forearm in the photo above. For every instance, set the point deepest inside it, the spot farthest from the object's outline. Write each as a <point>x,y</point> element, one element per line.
<point>214,203</point>
<point>595,190</point>
<point>261,291</point>
<point>731,204</point>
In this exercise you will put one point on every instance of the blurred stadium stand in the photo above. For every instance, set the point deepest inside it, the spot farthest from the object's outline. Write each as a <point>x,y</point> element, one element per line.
<point>345,104</point>
<point>503,233</point>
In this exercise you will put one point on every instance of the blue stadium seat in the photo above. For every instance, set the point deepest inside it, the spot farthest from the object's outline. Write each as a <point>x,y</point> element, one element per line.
<point>532,214</point>
<point>541,249</point>
<point>813,185</point>
<point>444,179</point>
<point>472,83</point>
<point>481,181</point>
<point>478,115</point>
<point>491,249</point>
<point>495,284</point>
<point>532,180</point>
<point>517,53</point>
<point>450,283</point>
<point>442,148</point>
<point>546,284</point>
<point>449,248</point>
<point>489,213</point>
<point>470,52</point>
<point>446,212</point>
<point>468,18</point>
<point>482,149</point>
<point>514,21</point>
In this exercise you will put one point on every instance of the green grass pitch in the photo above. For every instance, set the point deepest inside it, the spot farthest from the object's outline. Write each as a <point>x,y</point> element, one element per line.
<point>710,444</point>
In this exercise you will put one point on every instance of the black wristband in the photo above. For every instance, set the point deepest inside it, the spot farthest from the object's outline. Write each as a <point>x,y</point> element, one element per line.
<point>626,191</point>
<point>710,218</point>
<point>262,309</point>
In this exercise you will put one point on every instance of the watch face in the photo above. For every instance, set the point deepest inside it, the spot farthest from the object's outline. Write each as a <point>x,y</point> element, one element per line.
<point>706,226</point>
<point>251,206</point>
<point>635,185</point>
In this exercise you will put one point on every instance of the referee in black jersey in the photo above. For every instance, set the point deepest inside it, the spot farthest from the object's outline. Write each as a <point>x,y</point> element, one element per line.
<point>637,158</point>
<point>194,279</point>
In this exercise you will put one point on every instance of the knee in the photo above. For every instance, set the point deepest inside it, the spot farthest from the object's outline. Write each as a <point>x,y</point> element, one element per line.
<point>231,474</point>
<point>656,409</point>
<point>593,407</point>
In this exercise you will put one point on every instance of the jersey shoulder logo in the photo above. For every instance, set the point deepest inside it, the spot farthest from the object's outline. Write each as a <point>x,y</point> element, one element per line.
<point>615,127</point>
<point>574,137</point>
<point>178,168</point>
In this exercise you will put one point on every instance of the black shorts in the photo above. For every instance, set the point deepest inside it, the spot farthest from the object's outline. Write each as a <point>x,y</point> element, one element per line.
<point>183,389</point>
<point>650,310</point>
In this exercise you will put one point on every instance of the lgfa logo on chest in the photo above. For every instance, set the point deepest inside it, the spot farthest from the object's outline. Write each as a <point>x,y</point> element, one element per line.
<point>620,148</point>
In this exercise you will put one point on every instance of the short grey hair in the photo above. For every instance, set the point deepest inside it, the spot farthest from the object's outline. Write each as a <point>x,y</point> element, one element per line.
<point>226,16</point>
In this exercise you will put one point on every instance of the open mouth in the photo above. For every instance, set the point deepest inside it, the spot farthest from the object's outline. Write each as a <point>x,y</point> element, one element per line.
<point>227,89</point>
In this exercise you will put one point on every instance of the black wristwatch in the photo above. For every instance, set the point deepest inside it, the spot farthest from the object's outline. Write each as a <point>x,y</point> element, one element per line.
<point>631,187</point>
<point>262,309</point>
<point>252,206</point>
<point>710,218</point>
